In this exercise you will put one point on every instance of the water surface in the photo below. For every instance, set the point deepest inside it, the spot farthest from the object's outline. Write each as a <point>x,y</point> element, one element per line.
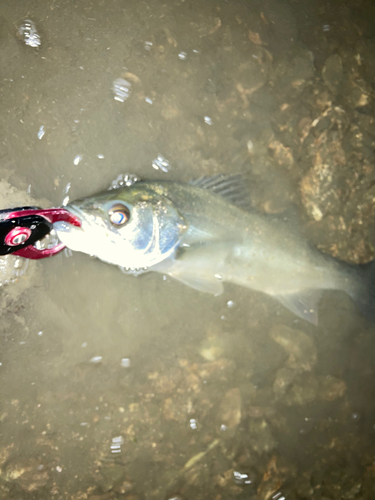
<point>116,387</point>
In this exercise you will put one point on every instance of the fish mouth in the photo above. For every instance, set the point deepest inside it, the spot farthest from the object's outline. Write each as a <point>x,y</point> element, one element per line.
<point>77,212</point>
<point>64,226</point>
<point>87,218</point>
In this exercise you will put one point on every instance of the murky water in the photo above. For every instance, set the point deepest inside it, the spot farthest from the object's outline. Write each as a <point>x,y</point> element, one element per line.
<point>120,387</point>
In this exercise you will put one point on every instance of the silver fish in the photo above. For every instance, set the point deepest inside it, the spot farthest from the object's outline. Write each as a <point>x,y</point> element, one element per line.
<point>204,234</point>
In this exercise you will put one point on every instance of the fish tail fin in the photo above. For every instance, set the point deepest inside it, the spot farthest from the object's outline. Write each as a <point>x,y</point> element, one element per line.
<point>364,295</point>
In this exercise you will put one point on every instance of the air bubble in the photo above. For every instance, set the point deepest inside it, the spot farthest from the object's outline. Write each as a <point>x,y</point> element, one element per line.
<point>193,424</point>
<point>124,180</point>
<point>122,89</point>
<point>77,159</point>
<point>96,359</point>
<point>125,362</point>
<point>240,478</point>
<point>161,163</point>
<point>116,444</point>
<point>29,34</point>
<point>41,132</point>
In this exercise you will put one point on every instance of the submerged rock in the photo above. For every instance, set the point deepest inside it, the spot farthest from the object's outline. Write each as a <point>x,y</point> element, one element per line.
<point>110,476</point>
<point>5,452</point>
<point>332,73</point>
<point>299,346</point>
<point>294,73</point>
<point>331,388</point>
<point>229,413</point>
<point>261,437</point>
<point>284,378</point>
<point>327,182</point>
<point>303,391</point>
<point>30,475</point>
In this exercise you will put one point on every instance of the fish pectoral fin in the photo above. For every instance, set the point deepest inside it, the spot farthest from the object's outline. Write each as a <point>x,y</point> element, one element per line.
<point>303,304</point>
<point>207,284</point>
<point>195,278</point>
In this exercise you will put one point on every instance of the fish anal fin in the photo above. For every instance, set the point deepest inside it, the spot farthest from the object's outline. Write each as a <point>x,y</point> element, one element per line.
<point>303,304</point>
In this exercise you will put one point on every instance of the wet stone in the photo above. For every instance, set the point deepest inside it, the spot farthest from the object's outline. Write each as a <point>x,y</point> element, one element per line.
<point>105,496</point>
<point>5,452</point>
<point>211,369</point>
<point>177,408</point>
<point>260,436</point>
<point>328,181</point>
<point>260,411</point>
<point>29,475</point>
<point>303,391</point>
<point>212,348</point>
<point>331,388</point>
<point>111,475</point>
<point>358,94</point>
<point>283,155</point>
<point>332,73</point>
<point>167,383</point>
<point>294,73</point>
<point>229,413</point>
<point>299,346</point>
<point>284,379</point>
<point>227,482</point>
<point>353,492</point>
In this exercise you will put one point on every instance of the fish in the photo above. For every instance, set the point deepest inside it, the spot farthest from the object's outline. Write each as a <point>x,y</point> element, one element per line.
<point>205,233</point>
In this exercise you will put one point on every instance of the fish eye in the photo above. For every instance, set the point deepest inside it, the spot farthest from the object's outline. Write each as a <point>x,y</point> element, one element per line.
<point>119,215</point>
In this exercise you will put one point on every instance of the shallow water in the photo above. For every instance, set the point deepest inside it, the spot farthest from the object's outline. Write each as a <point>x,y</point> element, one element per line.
<point>115,386</point>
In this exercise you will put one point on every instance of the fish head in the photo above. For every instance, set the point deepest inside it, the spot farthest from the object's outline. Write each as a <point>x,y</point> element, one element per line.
<point>134,227</point>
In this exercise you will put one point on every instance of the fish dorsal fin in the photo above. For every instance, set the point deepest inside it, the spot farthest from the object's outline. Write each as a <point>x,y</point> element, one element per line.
<point>234,188</point>
<point>303,304</point>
